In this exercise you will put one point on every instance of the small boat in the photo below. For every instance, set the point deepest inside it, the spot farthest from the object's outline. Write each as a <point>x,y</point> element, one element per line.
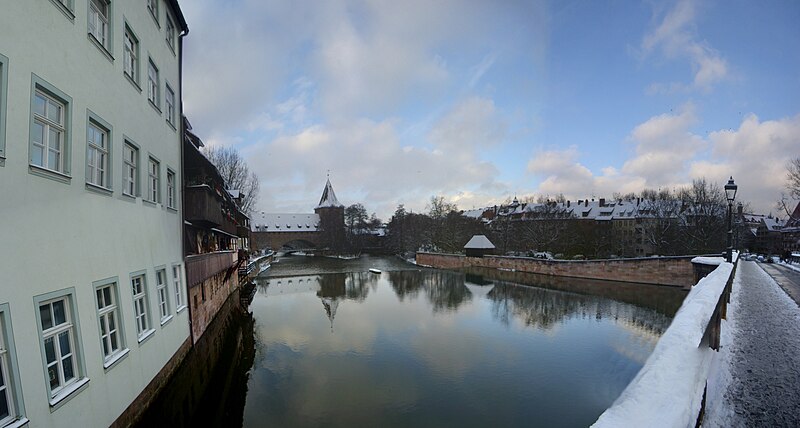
<point>373,270</point>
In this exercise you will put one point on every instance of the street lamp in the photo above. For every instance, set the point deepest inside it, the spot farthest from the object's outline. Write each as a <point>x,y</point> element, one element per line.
<point>730,193</point>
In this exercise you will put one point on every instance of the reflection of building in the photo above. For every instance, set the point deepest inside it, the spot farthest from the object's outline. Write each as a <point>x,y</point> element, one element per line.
<point>92,292</point>
<point>323,229</point>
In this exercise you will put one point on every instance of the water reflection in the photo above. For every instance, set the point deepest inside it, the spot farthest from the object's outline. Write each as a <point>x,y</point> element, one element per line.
<point>425,347</point>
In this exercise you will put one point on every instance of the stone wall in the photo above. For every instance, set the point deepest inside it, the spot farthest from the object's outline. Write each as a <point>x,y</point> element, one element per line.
<point>207,297</point>
<point>673,271</point>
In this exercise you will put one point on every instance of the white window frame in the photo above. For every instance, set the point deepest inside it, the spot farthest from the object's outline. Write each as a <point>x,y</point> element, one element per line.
<point>170,32</point>
<point>65,387</point>
<point>169,102</point>
<point>130,47</point>
<point>57,125</point>
<point>99,24</point>
<point>3,106</point>
<point>98,173</point>
<point>177,283</point>
<point>170,188</point>
<point>130,170</point>
<point>152,7</point>
<point>141,306</point>
<point>153,180</point>
<point>162,292</point>
<point>9,372</point>
<point>110,321</point>
<point>153,84</point>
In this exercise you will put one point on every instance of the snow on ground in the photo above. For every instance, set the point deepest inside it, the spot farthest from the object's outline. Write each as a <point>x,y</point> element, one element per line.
<point>755,380</point>
<point>668,390</point>
<point>792,266</point>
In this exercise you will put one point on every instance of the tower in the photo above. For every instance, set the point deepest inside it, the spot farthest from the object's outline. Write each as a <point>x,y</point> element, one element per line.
<point>331,218</point>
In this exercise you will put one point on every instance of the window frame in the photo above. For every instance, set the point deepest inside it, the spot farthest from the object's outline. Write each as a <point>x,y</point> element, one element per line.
<point>9,365</point>
<point>171,193</point>
<point>146,331</point>
<point>67,7</point>
<point>152,7</point>
<point>107,45</point>
<point>3,106</point>
<point>171,31</point>
<point>115,309</point>
<point>93,120</point>
<point>162,295</point>
<point>153,85</point>
<point>59,396</point>
<point>63,174</point>
<point>136,169</point>
<point>136,70</point>
<point>153,180</point>
<point>169,105</point>
<point>177,283</point>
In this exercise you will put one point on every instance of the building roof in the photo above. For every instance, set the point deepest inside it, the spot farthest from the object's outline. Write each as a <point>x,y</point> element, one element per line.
<point>328,198</point>
<point>285,222</point>
<point>479,242</point>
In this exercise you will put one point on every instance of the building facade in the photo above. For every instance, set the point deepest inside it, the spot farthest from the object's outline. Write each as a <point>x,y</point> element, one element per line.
<point>93,303</point>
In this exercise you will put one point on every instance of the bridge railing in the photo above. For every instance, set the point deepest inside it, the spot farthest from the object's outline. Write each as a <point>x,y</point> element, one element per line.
<point>670,388</point>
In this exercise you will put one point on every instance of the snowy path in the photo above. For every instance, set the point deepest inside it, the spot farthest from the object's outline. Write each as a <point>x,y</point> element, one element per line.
<point>759,371</point>
<point>788,278</point>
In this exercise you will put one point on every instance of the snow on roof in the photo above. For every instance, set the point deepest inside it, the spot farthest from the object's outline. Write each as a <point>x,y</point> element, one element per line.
<point>328,198</point>
<point>291,222</point>
<point>773,223</point>
<point>479,242</point>
<point>476,213</point>
<point>234,193</point>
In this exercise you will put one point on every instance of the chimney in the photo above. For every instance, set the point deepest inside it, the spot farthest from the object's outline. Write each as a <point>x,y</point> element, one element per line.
<point>602,202</point>
<point>580,201</point>
<point>637,202</point>
<point>567,204</point>
<point>586,203</point>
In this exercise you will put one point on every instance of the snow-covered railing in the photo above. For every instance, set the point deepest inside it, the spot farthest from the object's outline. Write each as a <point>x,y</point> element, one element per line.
<point>669,390</point>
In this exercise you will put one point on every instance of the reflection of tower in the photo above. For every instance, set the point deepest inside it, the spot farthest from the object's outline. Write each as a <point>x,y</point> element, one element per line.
<point>331,218</point>
<point>330,305</point>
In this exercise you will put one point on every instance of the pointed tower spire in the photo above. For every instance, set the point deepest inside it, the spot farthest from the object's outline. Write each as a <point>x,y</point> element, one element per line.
<point>328,198</point>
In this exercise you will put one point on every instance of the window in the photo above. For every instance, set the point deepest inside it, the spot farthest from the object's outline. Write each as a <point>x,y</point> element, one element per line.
<point>163,299</point>
<point>131,55</point>
<point>48,137</point>
<point>170,102</point>
<point>59,341</point>
<point>97,153</point>
<point>141,310</point>
<point>130,181</point>
<point>3,104</point>
<point>99,22</point>
<point>66,7</point>
<point>11,408</point>
<point>170,33</point>
<point>108,314</point>
<point>152,181</point>
<point>152,83</point>
<point>176,282</point>
<point>170,189</point>
<point>152,6</point>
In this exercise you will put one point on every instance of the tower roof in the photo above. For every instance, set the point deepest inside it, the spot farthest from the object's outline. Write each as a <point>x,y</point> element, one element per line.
<point>328,198</point>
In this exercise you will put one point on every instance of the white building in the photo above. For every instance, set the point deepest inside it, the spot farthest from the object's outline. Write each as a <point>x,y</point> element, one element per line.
<point>92,295</point>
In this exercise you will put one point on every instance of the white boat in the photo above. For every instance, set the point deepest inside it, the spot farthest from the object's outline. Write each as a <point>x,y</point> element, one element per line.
<point>373,270</point>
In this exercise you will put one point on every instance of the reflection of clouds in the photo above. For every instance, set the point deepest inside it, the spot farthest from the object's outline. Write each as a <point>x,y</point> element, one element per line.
<point>399,334</point>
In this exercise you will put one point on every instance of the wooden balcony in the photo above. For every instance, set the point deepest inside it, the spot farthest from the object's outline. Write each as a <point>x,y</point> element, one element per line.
<point>202,207</point>
<point>200,267</point>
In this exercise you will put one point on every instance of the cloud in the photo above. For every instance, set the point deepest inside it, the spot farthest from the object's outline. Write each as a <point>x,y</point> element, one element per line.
<point>669,155</point>
<point>473,122</point>
<point>675,37</point>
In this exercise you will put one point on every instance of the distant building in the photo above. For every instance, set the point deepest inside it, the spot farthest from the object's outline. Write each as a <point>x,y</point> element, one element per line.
<point>478,246</point>
<point>93,304</point>
<point>322,229</point>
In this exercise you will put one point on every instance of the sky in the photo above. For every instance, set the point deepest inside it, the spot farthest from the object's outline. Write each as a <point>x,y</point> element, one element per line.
<point>479,101</point>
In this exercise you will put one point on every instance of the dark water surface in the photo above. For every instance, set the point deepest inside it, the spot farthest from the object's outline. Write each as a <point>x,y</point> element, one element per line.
<point>336,345</point>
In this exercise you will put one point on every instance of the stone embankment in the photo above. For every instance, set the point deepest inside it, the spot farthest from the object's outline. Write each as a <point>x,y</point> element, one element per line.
<point>673,271</point>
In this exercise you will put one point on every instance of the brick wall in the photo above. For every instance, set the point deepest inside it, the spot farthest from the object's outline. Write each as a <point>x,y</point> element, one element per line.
<point>674,271</point>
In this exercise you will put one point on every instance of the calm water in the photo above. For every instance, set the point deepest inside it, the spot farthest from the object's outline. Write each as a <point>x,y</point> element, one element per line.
<point>336,345</point>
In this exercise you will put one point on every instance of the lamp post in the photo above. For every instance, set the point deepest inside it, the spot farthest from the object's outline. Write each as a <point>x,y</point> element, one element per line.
<point>730,194</point>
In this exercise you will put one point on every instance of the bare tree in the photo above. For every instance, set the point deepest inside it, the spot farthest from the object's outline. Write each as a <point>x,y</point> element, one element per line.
<point>233,168</point>
<point>793,178</point>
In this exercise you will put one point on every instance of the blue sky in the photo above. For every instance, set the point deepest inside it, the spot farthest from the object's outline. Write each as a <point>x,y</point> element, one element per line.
<point>478,101</point>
